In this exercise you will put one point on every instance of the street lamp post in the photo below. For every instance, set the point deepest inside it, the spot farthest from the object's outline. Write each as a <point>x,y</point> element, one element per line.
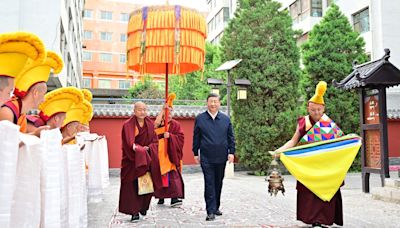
<point>242,83</point>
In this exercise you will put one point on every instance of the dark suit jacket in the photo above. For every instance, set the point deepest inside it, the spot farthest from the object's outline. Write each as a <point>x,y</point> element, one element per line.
<point>214,138</point>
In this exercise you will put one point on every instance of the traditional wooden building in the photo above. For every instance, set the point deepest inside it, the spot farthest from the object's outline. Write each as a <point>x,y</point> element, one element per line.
<point>371,80</point>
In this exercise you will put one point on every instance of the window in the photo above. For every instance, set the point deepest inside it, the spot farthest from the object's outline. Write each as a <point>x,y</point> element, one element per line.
<point>87,35</point>
<point>209,26</point>
<point>88,13</point>
<point>316,8</point>
<point>105,57</point>
<point>124,17</point>
<point>361,21</point>
<point>86,83</point>
<point>87,56</point>
<point>226,14</point>
<point>299,10</point>
<point>123,37</point>
<point>106,15</point>
<point>124,84</point>
<point>122,58</point>
<point>104,84</point>
<point>105,36</point>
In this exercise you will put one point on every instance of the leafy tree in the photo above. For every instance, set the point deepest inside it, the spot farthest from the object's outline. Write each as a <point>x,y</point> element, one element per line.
<point>328,54</point>
<point>146,89</point>
<point>262,35</point>
<point>193,86</point>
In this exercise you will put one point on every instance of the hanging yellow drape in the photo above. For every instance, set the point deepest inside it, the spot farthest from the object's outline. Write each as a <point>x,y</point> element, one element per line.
<point>166,36</point>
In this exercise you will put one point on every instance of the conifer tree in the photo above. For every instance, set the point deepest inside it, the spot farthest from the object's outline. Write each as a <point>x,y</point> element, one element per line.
<point>262,36</point>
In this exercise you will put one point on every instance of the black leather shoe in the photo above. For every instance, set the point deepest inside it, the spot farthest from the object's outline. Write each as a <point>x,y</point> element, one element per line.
<point>160,201</point>
<point>210,217</point>
<point>218,213</point>
<point>135,218</point>
<point>143,212</point>
<point>176,202</point>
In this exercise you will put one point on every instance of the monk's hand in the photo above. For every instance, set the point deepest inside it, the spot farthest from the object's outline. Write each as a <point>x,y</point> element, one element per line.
<point>134,147</point>
<point>197,159</point>
<point>166,135</point>
<point>37,131</point>
<point>275,154</point>
<point>231,158</point>
<point>146,148</point>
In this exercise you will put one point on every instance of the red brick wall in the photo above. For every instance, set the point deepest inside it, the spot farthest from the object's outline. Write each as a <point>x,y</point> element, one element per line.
<point>111,128</point>
<point>394,137</point>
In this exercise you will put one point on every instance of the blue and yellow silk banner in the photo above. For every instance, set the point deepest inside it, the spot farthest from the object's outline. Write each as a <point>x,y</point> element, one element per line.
<point>322,166</point>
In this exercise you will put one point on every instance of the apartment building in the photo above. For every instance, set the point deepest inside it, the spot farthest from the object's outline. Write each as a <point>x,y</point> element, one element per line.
<point>219,14</point>
<point>58,23</point>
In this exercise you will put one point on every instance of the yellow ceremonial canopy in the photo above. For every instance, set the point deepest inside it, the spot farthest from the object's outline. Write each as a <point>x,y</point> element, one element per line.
<point>160,35</point>
<point>166,40</point>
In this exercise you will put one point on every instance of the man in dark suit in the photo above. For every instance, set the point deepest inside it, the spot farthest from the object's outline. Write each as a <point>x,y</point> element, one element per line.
<point>213,137</point>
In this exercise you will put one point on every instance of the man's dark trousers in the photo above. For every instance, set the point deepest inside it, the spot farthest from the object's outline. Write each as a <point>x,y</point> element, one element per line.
<point>213,177</point>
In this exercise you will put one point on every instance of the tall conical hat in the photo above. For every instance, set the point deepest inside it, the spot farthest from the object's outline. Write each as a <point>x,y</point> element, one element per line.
<point>78,112</point>
<point>35,72</point>
<point>318,97</point>
<point>59,100</point>
<point>15,50</point>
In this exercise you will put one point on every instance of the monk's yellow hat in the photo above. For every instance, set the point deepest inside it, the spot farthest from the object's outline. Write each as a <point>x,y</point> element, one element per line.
<point>318,97</point>
<point>16,48</point>
<point>35,72</point>
<point>87,118</point>
<point>58,101</point>
<point>87,95</point>
<point>78,112</point>
<point>170,99</point>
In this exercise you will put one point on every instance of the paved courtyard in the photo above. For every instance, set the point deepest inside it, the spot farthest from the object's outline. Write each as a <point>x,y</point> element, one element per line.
<point>245,203</point>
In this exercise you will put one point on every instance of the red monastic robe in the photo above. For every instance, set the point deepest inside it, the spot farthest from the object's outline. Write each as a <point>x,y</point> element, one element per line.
<point>135,163</point>
<point>169,164</point>
<point>310,208</point>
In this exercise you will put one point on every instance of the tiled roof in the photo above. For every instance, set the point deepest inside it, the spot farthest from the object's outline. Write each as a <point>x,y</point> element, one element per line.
<point>393,113</point>
<point>125,110</point>
<point>378,72</point>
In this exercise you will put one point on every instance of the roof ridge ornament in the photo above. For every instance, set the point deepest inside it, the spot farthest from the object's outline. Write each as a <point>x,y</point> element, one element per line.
<point>387,54</point>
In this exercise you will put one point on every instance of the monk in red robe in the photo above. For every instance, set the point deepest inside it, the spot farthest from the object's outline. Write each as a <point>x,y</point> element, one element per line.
<point>310,208</point>
<point>138,142</point>
<point>168,167</point>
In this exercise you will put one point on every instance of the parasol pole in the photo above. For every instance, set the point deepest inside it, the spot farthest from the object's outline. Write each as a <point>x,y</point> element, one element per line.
<point>166,108</point>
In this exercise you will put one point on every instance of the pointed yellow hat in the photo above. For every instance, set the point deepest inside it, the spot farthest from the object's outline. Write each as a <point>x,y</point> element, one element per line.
<point>170,99</point>
<point>87,95</point>
<point>318,97</point>
<point>35,72</point>
<point>87,118</point>
<point>78,112</point>
<point>15,50</point>
<point>59,100</point>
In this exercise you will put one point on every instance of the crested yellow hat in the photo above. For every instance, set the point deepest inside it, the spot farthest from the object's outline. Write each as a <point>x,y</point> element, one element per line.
<point>15,50</point>
<point>87,95</point>
<point>87,118</point>
<point>318,97</point>
<point>170,99</point>
<point>59,100</point>
<point>78,111</point>
<point>35,72</point>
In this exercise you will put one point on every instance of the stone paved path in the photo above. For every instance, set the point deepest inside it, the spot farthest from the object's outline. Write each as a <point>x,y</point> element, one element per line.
<point>245,203</point>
